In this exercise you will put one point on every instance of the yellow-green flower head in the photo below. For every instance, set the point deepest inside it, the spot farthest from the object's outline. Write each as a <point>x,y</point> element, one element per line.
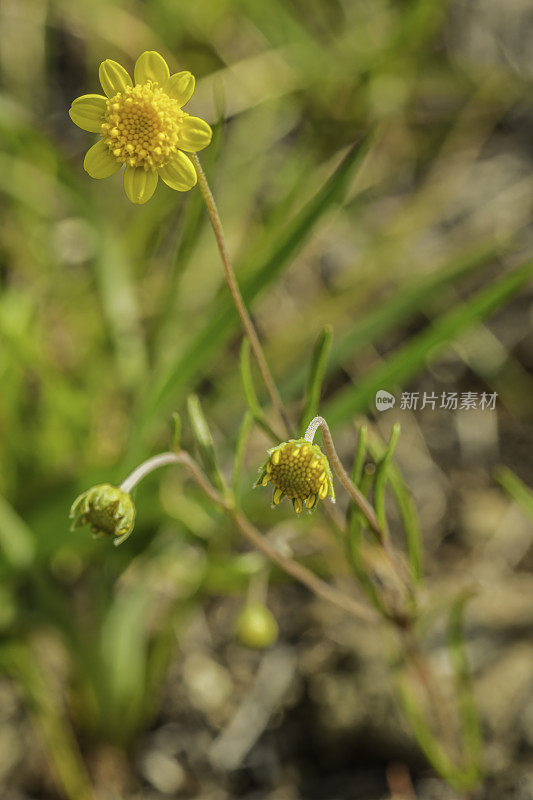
<point>142,126</point>
<point>299,470</point>
<point>107,509</point>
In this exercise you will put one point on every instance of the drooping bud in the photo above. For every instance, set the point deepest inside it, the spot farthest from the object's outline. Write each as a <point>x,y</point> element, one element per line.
<point>107,509</point>
<point>300,471</point>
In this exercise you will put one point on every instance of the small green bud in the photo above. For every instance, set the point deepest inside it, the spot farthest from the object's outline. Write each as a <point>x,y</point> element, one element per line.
<point>107,509</point>
<point>256,626</point>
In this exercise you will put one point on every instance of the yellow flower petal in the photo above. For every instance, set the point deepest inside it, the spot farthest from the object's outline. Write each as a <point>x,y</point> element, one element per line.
<point>113,77</point>
<point>194,135</point>
<point>139,184</point>
<point>99,162</point>
<point>180,87</point>
<point>87,112</point>
<point>150,66</point>
<point>179,174</point>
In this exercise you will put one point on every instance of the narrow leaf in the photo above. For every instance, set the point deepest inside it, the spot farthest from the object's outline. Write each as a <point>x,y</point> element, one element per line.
<point>317,369</point>
<point>410,359</point>
<point>245,366</point>
<point>468,712</point>
<point>204,440</point>
<point>381,477</point>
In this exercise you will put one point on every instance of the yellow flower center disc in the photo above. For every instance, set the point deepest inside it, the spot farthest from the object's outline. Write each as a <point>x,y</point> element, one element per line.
<point>142,126</point>
<point>300,471</point>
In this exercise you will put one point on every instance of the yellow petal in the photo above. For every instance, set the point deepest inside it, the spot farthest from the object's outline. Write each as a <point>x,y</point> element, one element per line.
<point>194,135</point>
<point>99,162</point>
<point>87,112</point>
<point>180,87</point>
<point>139,184</point>
<point>179,173</point>
<point>113,77</point>
<point>150,66</point>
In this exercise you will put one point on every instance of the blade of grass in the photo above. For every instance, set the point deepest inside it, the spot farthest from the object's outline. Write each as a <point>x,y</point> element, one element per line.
<point>240,452</point>
<point>17,542</point>
<point>406,362</point>
<point>41,693</point>
<point>317,368</point>
<point>514,487</point>
<point>245,366</point>
<point>397,309</point>
<point>407,509</point>
<point>468,711</point>
<point>204,440</point>
<point>382,476</point>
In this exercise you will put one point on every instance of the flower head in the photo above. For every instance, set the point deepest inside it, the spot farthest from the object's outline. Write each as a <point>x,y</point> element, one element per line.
<point>107,509</point>
<point>142,125</point>
<point>299,470</point>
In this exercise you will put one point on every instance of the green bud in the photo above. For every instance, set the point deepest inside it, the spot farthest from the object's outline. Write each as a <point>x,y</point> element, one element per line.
<point>107,509</point>
<point>256,626</point>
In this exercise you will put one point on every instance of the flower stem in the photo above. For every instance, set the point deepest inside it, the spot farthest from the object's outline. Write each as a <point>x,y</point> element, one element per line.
<point>300,573</point>
<point>358,497</point>
<point>231,280</point>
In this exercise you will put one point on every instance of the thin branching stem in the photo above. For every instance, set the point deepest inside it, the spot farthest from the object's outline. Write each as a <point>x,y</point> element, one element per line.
<point>248,325</point>
<point>300,573</point>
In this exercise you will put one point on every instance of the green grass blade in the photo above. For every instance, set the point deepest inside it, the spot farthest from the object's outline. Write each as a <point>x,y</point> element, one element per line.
<point>407,509</point>
<point>317,368</point>
<point>240,452</point>
<point>406,362</point>
<point>468,711</point>
<point>514,487</point>
<point>204,440</point>
<point>397,309</point>
<point>245,366</point>
<point>17,543</point>
<point>381,478</point>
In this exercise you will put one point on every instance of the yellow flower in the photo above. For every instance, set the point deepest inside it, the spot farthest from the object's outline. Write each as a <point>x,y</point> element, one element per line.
<point>299,470</point>
<point>107,509</point>
<point>143,126</point>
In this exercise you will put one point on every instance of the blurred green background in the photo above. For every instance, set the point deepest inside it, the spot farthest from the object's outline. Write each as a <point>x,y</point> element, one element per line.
<point>121,676</point>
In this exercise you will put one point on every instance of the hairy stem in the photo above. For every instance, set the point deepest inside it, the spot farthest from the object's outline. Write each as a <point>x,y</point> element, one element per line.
<point>358,497</point>
<point>231,280</point>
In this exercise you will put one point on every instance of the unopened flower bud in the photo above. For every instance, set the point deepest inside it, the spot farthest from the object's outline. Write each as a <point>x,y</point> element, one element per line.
<point>256,626</point>
<point>107,509</point>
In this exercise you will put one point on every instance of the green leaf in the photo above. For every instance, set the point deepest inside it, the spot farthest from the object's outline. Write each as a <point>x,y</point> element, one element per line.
<point>176,436</point>
<point>245,366</point>
<point>520,493</point>
<point>410,359</point>
<point>204,440</point>
<point>397,309</point>
<point>240,452</point>
<point>356,522</point>
<point>407,509</point>
<point>428,743</point>
<point>317,369</point>
<point>17,543</point>
<point>382,476</point>
<point>468,711</point>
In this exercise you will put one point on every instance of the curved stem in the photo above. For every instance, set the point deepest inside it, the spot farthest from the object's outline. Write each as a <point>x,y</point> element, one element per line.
<point>358,497</point>
<point>231,280</point>
<point>315,584</point>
